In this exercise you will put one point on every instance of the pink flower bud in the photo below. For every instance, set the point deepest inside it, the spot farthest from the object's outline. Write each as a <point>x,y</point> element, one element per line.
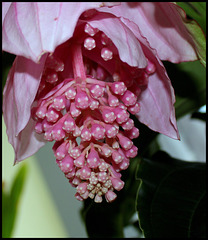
<point>117,157</point>
<point>81,100</point>
<point>41,112</point>
<point>97,91</point>
<point>108,115</point>
<point>70,175</point>
<point>61,151</point>
<point>128,98</point>
<point>78,197</point>
<point>39,127</point>
<point>105,150</point>
<point>118,88</point>
<point>128,125</point>
<point>48,136</point>
<point>98,198</point>
<point>74,111</point>
<point>70,93</point>
<point>66,164</point>
<point>79,161</point>
<point>133,133</point>
<point>93,158</point>
<point>121,115</point>
<point>75,152</point>
<point>117,183</point>
<point>84,173</point>
<point>94,104</point>
<point>113,100</point>
<point>46,125</point>
<point>111,131</point>
<point>86,134</point>
<point>69,124</point>
<point>57,132</point>
<point>125,142</point>
<point>59,103</point>
<point>102,177</point>
<point>132,152</point>
<point>124,164</point>
<point>75,181</point>
<point>134,109</point>
<point>110,196</point>
<point>82,187</point>
<point>52,115</point>
<point>98,131</point>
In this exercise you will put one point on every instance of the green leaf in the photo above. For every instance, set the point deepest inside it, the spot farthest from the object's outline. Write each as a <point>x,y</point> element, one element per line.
<point>171,197</point>
<point>199,39</point>
<point>196,11</point>
<point>10,202</point>
<point>189,83</point>
<point>103,219</point>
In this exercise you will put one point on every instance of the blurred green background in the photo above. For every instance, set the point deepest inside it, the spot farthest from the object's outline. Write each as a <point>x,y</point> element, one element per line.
<point>37,215</point>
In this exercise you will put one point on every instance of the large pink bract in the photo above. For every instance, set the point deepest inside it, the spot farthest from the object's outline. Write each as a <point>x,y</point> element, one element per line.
<point>81,70</point>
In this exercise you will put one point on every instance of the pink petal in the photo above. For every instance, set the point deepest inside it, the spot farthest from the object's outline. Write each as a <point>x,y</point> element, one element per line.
<point>19,93</point>
<point>22,85</point>
<point>128,46</point>
<point>27,143</point>
<point>5,7</point>
<point>161,24</point>
<point>157,110</point>
<point>157,101</point>
<point>31,29</point>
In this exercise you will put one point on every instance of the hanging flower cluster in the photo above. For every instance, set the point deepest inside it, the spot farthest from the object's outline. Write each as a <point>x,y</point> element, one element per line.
<point>102,68</point>
<point>88,116</point>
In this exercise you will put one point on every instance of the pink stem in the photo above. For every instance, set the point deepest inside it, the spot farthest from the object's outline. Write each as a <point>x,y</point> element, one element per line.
<point>77,62</point>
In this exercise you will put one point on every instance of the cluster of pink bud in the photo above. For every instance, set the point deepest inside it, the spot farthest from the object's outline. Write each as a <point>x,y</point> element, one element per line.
<point>89,120</point>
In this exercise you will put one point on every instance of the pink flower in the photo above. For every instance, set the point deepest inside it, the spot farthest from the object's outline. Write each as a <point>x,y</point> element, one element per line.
<point>81,69</point>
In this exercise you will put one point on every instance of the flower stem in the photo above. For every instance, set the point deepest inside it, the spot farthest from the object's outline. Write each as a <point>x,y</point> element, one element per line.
<point>77,62</point>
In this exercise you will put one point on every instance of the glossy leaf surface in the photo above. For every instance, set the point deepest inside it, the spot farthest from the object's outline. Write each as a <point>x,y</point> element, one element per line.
<point>171,197</point>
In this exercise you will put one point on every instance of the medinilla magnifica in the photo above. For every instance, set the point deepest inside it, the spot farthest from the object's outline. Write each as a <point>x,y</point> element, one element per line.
<point>82,71</point>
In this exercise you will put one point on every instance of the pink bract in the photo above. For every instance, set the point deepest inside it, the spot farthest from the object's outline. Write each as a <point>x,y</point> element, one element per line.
<point>80,70</point>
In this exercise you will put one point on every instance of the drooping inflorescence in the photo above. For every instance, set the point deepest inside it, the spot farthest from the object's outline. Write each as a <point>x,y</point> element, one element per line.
<point>89,117</point>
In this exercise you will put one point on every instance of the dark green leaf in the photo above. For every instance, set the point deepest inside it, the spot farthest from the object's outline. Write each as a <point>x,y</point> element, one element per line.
<point>109,219</point>
<point>189,82</point>
<point>103,219</point>
<point>10,202</point>
<point>170,198</point>
<point>196,11</point>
